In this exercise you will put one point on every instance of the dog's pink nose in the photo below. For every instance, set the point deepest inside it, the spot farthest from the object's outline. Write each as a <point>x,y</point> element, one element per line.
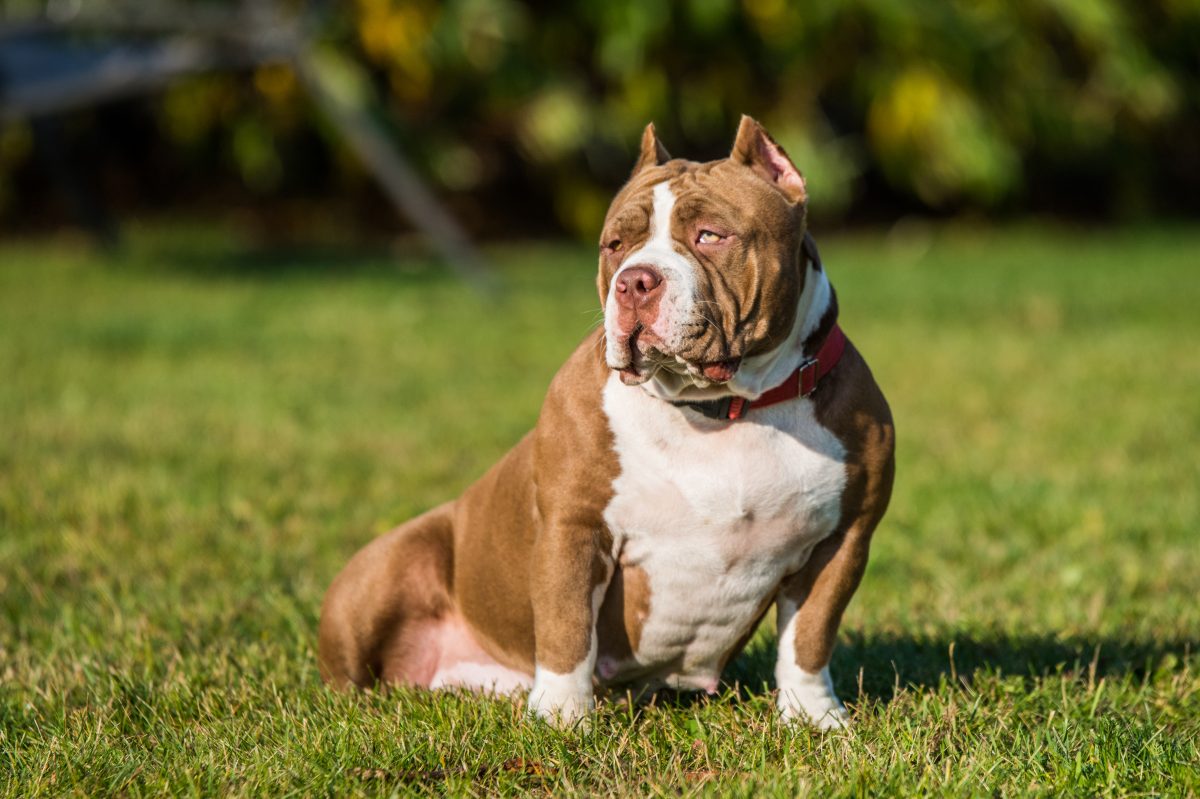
<point>638,285</point>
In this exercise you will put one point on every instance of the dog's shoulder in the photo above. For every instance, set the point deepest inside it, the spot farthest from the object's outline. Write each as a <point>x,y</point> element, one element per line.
<point>851,405</point>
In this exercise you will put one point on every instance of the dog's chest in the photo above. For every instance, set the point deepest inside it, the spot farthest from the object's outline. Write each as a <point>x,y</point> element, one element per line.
<point>714,515</point>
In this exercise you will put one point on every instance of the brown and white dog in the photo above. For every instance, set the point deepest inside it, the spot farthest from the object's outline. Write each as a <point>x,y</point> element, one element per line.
<point>718,447</point>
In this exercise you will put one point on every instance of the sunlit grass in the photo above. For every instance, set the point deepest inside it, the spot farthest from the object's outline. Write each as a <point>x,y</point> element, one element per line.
<point>194,437</point>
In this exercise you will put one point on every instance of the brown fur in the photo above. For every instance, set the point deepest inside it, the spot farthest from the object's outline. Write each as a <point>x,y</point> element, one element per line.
<point>623,613</point>
<point>851,405</point>
<point>369,616</point>
<point>521,556</point>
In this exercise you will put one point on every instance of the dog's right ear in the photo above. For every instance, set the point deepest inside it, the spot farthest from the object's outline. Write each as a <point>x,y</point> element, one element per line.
<point>756,149</point>
<point>653,153</point>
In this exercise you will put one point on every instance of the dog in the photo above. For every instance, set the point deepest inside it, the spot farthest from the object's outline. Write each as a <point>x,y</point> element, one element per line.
<point>717,447</point>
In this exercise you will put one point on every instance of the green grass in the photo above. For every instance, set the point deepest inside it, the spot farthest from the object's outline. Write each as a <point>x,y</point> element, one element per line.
<point>195,437</point>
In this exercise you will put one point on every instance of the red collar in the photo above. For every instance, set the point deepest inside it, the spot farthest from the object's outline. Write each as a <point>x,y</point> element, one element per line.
<point>799,383</point>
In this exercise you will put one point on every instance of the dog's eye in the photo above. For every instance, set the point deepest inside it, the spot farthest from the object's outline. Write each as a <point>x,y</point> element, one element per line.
<point>708,237</point>
<point>613,246</point>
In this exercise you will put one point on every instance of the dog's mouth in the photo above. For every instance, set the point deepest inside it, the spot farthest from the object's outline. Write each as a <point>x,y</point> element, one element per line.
<point>635,370</point>
<point>646,356</point>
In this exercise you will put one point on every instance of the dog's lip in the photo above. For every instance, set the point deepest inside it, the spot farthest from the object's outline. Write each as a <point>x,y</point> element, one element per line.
<point>639,368</point>
<point>632,377</point>
<point>707,372</point>
<point>720,371</point>
<point>632,372</point>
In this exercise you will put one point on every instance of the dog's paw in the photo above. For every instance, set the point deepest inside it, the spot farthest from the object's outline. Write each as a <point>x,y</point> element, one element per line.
<point>806,698</point>
<point>822,716</point>
<point>564,700</point>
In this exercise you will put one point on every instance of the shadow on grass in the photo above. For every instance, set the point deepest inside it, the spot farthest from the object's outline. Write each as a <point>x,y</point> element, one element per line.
<point>890,662</point>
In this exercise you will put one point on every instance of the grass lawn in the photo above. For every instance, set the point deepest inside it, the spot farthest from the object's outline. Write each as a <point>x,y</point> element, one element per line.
<point>194,437</point>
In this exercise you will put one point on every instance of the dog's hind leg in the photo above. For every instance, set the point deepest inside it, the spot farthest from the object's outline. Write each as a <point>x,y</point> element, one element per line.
<point>381,614</point>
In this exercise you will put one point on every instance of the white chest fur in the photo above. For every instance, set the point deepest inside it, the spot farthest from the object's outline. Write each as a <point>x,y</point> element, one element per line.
<point>715,514</point>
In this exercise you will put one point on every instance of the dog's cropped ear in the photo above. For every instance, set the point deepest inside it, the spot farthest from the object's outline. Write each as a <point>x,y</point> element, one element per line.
<point>652,153</point>
<point>755,148</point>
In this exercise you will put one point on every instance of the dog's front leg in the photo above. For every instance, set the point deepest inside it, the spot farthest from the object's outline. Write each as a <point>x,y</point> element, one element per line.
<point>571,568</point>
<point>809,609</point>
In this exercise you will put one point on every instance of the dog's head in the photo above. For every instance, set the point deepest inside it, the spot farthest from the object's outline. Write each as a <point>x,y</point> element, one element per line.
<point>702,264</point>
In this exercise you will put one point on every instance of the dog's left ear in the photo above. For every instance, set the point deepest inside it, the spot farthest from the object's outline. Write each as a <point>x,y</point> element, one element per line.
<point>755,148</point>
<point>652,152</point>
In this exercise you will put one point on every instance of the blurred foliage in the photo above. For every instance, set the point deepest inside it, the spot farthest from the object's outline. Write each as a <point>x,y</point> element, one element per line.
<point>968,105</point>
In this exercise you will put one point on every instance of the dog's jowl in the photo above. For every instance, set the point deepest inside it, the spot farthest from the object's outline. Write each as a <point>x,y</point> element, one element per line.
<point>718,447</point>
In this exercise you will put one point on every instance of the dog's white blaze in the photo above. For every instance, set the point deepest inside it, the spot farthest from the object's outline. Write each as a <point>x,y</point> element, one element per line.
<point>679,298</point>
<point>717,514</point>
<point>564,699</point>
<point>803,695</point>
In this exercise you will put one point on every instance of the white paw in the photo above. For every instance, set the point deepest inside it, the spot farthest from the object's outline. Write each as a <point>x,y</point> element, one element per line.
<point>821,715</point>
<point>808,698</point>
<point>563,700</point>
